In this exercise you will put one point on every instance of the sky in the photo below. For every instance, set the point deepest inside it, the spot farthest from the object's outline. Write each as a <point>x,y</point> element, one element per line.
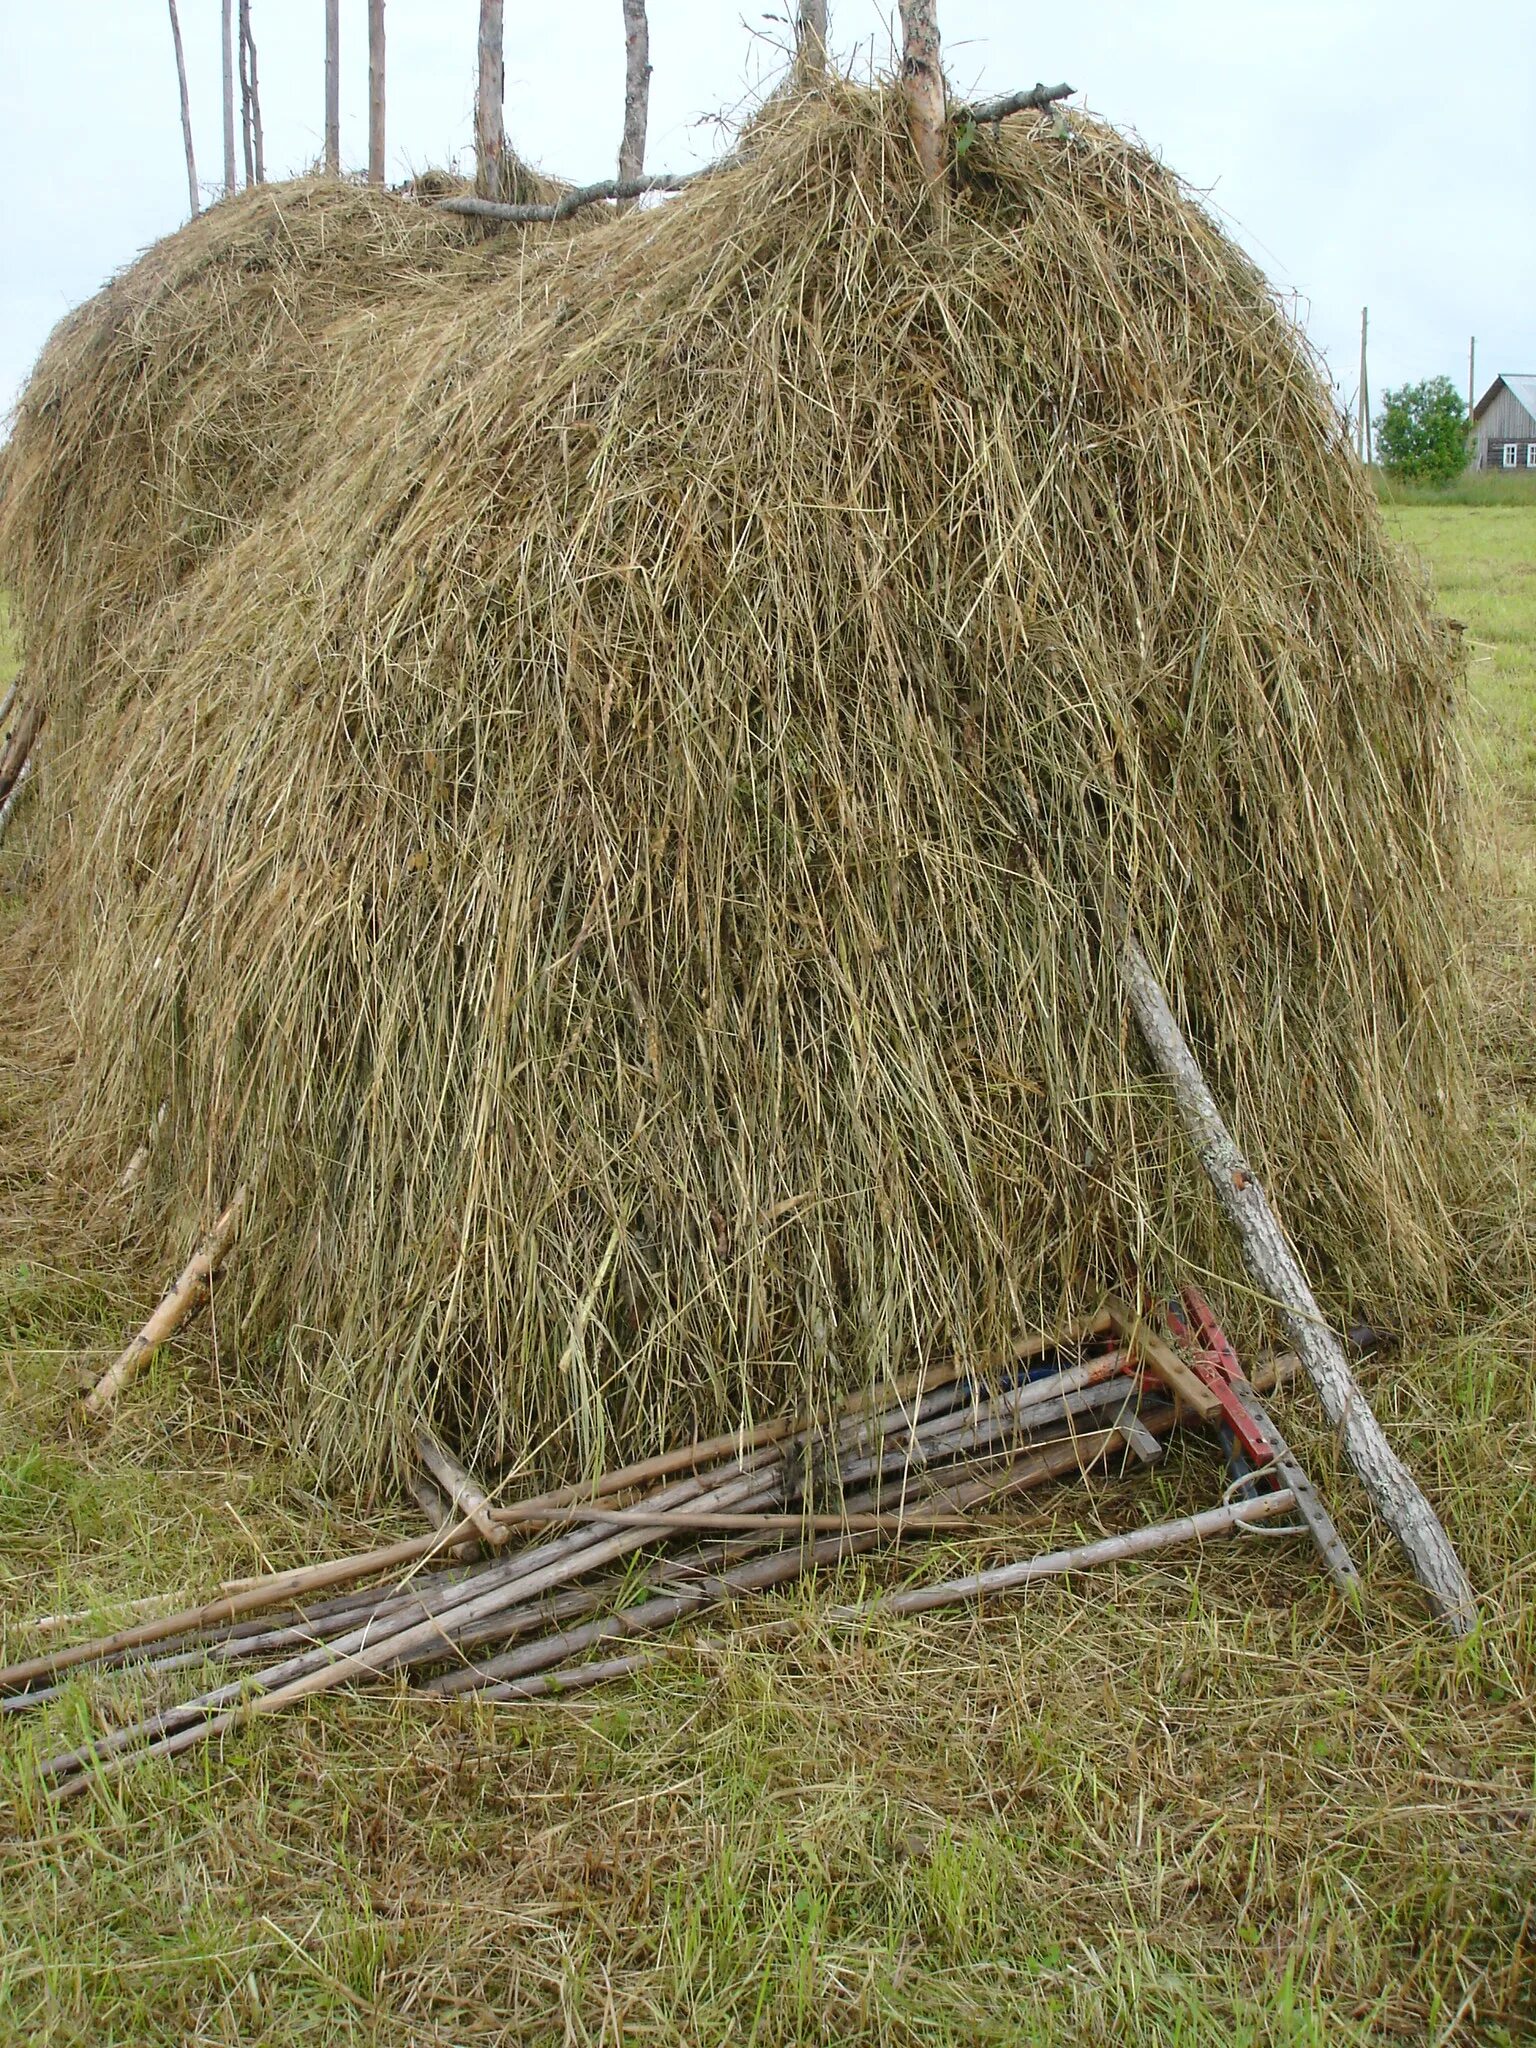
<point>1375,153</point>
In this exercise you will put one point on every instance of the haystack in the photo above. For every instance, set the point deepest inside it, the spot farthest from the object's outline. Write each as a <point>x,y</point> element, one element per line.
<point>168,410</point>
<point>624,858</point>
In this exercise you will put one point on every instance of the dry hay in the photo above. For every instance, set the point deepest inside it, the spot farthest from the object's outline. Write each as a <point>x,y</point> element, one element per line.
<point>625,861</point>
<point>167,411</point>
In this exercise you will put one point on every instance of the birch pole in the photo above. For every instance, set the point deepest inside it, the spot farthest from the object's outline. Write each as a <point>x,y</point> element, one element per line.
<point>247,135</point>
<point>490,139</point>
<point>637,90</point>
<point>248,52</point>
<point>333,88</point>
<point>375,92</point>
<point>811,36</point>
<point>923,76</point>
<point>1274,1270</point>
<point>229,95</point>
<point>186,111</point>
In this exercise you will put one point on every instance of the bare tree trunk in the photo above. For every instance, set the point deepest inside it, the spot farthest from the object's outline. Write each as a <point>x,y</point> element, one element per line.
<point>1274,1270</point>
<point>923,75</point>
<point>490,139</point>
<point>637,89</point>
<point>375,92</point>
<point>250,59</point>
<point>186,112</point>
<point>333,88</point>
<point>811,36</point>
<point>229,95</point>
<point>246,135</point>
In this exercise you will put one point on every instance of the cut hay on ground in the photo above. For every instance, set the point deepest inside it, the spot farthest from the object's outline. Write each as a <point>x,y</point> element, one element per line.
<point>624,862</point>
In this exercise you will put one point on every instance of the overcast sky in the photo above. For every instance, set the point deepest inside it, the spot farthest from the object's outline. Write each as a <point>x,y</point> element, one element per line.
<point>1367,152</point>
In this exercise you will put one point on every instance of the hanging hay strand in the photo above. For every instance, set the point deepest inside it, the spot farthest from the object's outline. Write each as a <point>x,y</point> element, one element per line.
<point>624,862</point>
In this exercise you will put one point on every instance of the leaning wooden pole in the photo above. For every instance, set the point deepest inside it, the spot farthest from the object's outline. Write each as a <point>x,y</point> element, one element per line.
<point>637,89</point>
<point>1273,1267</point>
<point>247,131</point>
<point>923,76</point>
<point>248,45</point>
<point>375,92</point>
<point>189,1292</point>
<point>186,112</point>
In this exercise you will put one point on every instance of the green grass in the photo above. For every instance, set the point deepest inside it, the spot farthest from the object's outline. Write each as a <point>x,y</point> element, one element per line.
<point>1472,487</point>
<point>1187,1804</point>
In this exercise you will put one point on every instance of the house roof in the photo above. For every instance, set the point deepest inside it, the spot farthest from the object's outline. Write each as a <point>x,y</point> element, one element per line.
<point>1522,383</point>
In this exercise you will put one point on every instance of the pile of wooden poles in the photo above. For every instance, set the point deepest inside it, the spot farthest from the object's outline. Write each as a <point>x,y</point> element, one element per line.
<point>559,1581</point>
<point>20,725</point>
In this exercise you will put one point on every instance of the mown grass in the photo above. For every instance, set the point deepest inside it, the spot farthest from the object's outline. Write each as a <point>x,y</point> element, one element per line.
<point>1193,1804</point>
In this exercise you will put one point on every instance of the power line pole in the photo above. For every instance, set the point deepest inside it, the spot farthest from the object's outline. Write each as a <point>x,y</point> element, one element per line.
<point>1471,375</point>
<point>1363,425</point>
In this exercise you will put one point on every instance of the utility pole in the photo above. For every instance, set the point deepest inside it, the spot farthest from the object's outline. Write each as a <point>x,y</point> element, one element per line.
<point>1471,375</point>
<point>375,92</point>
<point>333,88</point>
<point>1363,426</point>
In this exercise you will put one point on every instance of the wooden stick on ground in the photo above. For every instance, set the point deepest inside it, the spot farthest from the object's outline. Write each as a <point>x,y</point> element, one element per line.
<point>189,1292</point>
<point>467,1501</point>
<point>1274,1269</point>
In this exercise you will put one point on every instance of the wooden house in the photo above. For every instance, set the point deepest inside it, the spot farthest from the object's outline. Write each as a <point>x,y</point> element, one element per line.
<point>1505,419</point>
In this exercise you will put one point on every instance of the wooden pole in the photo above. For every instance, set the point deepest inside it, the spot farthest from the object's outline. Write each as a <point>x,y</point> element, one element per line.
<point>490,138</point>
<point>333,88</point>
<point>247,134</point>
<point>375,92</point>
<point>1363,428</point>
<point>637,89</point>
<point>1273,1267</point>
<point>189,1292</point>
<point>811,36</point>
<point>228,29</point>
<point>186,112</point>
<point>248,54</point>
<point>923,75</point>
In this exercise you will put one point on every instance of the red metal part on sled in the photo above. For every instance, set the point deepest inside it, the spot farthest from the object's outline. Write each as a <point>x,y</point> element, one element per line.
<point>1214,1363</point>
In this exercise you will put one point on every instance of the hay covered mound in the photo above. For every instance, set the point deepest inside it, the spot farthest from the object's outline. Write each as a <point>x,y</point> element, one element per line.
<point>625,862</point>
<point>168,410</point>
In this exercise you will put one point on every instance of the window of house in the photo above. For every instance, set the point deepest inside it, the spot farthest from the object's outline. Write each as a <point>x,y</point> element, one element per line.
<point>1511,454</point>
<point>1530,454</point>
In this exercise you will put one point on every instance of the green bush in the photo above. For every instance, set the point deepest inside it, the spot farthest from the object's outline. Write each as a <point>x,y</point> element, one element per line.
<point>1421,435</point>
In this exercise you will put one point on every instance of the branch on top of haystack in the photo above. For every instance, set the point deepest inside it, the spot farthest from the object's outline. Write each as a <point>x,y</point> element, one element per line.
<point>579,196</point>
<point>1040,98</point>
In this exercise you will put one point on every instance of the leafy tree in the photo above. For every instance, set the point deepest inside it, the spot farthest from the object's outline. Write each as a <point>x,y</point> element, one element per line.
<point>1421,434</point>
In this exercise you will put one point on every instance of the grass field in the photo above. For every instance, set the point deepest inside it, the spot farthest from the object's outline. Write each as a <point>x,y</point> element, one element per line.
<point>1196,1803</point>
